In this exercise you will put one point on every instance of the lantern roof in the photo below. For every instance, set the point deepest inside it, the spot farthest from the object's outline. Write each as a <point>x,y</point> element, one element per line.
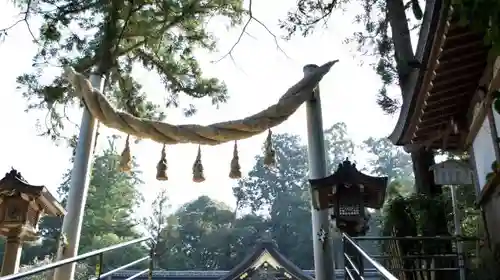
<point>374,188</point>
<point>13,183</point>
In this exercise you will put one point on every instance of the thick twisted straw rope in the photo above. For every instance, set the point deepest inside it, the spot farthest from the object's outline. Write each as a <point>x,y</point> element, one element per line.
<point>213,134</point>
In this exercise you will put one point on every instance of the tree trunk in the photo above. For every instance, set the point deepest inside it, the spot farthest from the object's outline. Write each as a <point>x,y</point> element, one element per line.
<point>401,39</point>
<point>424,184</point>
<point>424,179</point>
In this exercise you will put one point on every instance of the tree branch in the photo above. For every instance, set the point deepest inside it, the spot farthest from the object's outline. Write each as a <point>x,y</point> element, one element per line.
<point>3,31</point>
<point>244,31</point>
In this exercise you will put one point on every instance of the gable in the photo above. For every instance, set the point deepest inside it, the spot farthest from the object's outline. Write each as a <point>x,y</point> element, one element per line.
<point>266,256</point>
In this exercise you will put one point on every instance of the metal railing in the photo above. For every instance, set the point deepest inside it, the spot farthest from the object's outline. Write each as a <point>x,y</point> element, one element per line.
<point>354,257</point>
<point>99,273</point>
<point>412,257</point>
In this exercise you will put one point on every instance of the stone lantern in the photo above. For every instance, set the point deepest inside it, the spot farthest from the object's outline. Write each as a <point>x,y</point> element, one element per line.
<point>21,207</point>
<point>348,192</point>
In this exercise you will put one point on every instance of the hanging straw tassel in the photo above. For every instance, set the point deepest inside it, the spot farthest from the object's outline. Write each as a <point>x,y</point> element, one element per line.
<point>161,167</point>
<point>235,172</point>
<point>126,159</point>
<point>269,153</point>
<point>198,176</point>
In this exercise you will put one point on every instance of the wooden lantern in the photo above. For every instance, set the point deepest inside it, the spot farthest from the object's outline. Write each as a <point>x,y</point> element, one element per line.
<point>21,207</point>
<point>348,192</point>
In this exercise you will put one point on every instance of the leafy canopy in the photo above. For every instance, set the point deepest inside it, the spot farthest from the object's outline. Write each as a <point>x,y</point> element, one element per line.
<point>113,37</point>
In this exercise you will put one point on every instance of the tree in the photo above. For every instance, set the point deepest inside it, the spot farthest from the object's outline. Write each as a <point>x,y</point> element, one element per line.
<point>196,236</point>
<point>113,197</point>
<point>111,38</point>
<point>290,219</point>
<point>108,218</point>
<point>338,145</point>
<point>205,234</point>
<point>158,221</point>
<point>263,185</point>
<point>393,162</point>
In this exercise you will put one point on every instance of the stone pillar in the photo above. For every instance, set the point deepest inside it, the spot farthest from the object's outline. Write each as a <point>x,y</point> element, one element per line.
<point>12,255</point>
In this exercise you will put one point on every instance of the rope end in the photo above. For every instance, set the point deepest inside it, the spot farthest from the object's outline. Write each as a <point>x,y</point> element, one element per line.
<point>126,158</point>
<point>161,167</point>
<point>198,175</point>
<point>269,153</point>
<point>235,172</point>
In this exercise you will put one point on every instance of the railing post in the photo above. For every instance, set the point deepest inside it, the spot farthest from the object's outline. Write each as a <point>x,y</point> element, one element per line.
<point>98,267</point>
<point>346,263</point>
<point>151,260</point>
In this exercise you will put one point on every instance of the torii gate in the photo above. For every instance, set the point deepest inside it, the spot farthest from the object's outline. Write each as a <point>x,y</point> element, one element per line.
<point>98,107</point>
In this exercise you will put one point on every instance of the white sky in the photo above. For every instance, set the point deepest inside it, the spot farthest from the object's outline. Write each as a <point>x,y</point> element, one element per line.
<point>261,75</point>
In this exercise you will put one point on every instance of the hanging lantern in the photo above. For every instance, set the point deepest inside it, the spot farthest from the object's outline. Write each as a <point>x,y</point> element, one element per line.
<point>348,192</point>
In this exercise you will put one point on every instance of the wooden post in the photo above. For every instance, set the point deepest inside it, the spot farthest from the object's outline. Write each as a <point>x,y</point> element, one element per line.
<point>12,255</point>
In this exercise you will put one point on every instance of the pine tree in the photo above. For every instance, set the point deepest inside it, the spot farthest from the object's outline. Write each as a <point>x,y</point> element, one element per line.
<point>113,37</point>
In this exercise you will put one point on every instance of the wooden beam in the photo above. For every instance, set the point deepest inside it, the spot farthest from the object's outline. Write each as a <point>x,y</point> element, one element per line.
<point>452,71</point>
<point>430,110</point>
<point>471,45</point>
<point>472,56</point>
<point>424,129</point>
<point>448,98</point>
<point>447,115</point>
<point>455,80</point>
<point>451,89</point>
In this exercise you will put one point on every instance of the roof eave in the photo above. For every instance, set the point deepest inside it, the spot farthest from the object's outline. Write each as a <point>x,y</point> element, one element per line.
<point>426,42</point>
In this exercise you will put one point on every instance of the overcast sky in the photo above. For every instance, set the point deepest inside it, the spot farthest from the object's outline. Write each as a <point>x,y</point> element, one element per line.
<point>256,79</point>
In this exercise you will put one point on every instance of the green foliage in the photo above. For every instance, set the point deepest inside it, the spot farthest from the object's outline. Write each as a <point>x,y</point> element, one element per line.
<point>338,145</point>
<point>114,37</point>
<point>158,222</point>
<point>413,215</point>
<point>109,214</point>
<point>262,186</point>
<point>83,271</point>
<point>204,234</point>
<point>389,160</point>
<point>484,17</point>
<point>399,188</point>
<point>120,192</point>
<point>115,258</point>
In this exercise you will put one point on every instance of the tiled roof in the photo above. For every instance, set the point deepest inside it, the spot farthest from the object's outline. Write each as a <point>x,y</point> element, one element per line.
<point>209,274</point>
